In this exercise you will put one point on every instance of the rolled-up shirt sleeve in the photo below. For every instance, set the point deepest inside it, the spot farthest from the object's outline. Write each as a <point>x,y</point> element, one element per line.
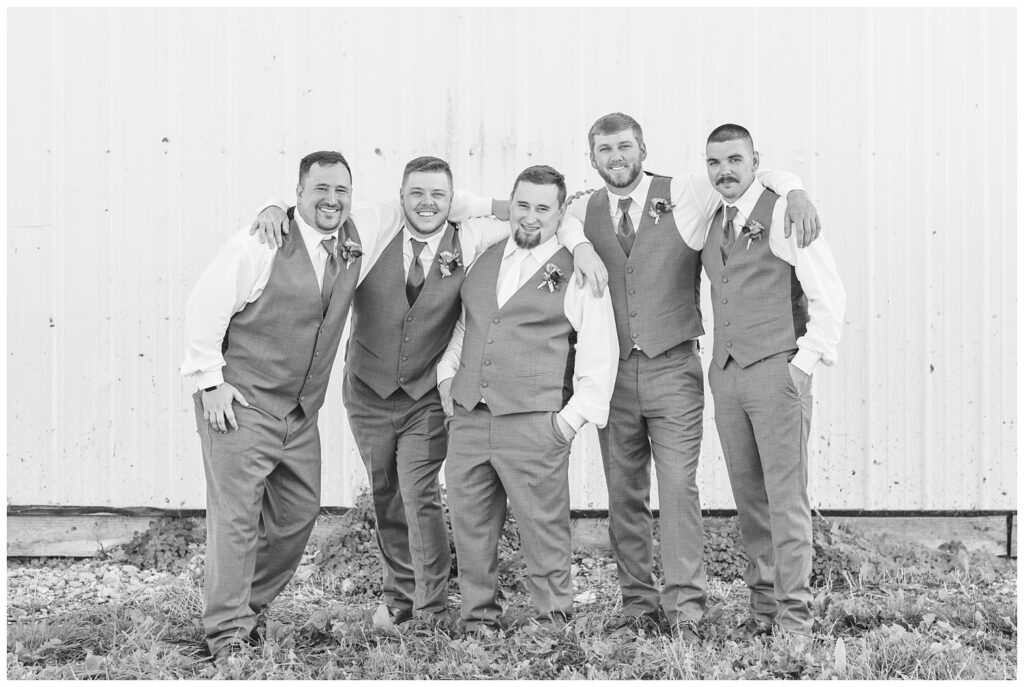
<point>235,277</point>
<point>816,271</point>
<point>597,356</point>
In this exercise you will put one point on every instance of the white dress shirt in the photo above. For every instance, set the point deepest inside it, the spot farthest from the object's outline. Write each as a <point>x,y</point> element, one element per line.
<point>597,346</point>
<point>695,201</point>
<point>815,270</point>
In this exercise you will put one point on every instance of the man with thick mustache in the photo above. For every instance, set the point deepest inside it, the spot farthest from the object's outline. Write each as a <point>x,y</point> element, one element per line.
<point>778,313</point>
<point>649,230</point>
<point>403,315</point>
<point>531,361</point>
<point>262,329</point>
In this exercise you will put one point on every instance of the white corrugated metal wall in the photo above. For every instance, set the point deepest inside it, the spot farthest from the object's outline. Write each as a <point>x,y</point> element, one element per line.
<point>138,140</point>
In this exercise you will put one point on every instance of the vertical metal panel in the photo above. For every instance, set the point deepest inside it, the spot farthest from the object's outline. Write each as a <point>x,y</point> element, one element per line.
<point>139,139</point>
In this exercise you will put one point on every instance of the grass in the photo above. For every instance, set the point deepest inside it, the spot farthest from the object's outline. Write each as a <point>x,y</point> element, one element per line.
<point>933,615</point>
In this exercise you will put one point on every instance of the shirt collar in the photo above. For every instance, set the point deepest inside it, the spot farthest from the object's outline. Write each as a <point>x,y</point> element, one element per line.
<point>638,195</point>
<point>540,252</point>
<point>432,241</point>
<point>745,203</point>
<point>310,236</point>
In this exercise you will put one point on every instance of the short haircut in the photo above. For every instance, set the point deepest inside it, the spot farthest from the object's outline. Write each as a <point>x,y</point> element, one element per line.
<point>612,124</point>
<point>543,175</point>
<point>324,158</point>
<point>730,132</point>
<point>426,163</point>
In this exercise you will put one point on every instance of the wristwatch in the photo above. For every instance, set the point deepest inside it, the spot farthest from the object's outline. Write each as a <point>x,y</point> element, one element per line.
<point>212,388</point>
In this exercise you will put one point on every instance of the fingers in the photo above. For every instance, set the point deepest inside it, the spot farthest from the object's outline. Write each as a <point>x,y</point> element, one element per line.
<point>237,395</point>
<point>599,283</point>
<point>280,230</point>
<point>580,278</point>
<point>447,406</point>
<point>230,414</point>
<point>788,226</point>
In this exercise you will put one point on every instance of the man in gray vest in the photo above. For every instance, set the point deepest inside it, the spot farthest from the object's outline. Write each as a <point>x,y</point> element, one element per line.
<point>649,231</point>
<point>531,360</point>
<point>778,311</point>
<point>262,330</point>
<point>403,315</point>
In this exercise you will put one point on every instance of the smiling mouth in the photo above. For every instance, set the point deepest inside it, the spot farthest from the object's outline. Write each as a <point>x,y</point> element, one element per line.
<point>426,214</point>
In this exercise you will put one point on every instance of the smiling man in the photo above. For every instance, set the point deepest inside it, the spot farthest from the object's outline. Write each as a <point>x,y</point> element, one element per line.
<point>403,315</point>
<point>531,360</point>
<point>649,231</point>
<point>262,329</point>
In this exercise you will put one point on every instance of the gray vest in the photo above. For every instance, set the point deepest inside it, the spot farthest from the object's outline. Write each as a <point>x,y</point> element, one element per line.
<point>279,349</point>
<point>760,308</point>
<point>656,290</point>
<point>519,356</point>
<point>394,346</point>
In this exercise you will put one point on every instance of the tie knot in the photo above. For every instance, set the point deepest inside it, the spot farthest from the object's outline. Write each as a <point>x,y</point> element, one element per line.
<point>730,212</point>
<point>417,247</point>
<point>624,204</point>
<point>329,244</point>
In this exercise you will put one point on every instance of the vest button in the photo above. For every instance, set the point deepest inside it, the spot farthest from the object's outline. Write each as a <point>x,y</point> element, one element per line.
<point>309,377</point>
<point>323,330</point>
<point>632,314</point>
<point>725,280</point>
<point>406,338</point>
<point>728,344</point>
<point>405,358</point>
<point>487,362</point>
<point>302,398</point>
<point>483,384</point>
<point>497,320</point>
<point>726,323</point>
<point>629,270</point>
<point>725,301</point>
<point>401,379</point>
<point>630,292</point>
<point>409,318</point>
<point>633,335</point>
<point>316,354</point>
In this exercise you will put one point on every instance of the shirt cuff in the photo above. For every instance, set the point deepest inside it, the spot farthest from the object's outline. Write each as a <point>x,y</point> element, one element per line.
<point>806,360</point>
<point>443,373</point>
<point>204,380</point>
<point>573,418</point>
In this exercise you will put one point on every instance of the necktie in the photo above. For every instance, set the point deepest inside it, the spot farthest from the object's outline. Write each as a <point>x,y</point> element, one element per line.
<point>414,282</point>
<point>511,282</point>
<point>729,232</point>
<point>330,271</point>
<point>625,232</point>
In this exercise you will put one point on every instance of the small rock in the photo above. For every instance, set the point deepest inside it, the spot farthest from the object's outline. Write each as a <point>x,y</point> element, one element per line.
<point>347,586</point>
<point>111,579</point>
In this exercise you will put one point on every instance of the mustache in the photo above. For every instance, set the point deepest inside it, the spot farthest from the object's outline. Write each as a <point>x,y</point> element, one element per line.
<point>328,206</point>
<point>728,177</point>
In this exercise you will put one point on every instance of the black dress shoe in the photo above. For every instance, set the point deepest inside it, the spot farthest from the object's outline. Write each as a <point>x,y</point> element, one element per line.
<point>399,615</point>
<point>750,629</point>
<point>645,623</point>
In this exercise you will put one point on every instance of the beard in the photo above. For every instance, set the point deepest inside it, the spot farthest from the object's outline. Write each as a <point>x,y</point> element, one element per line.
<point>526,240</point>
<point>632,172</point>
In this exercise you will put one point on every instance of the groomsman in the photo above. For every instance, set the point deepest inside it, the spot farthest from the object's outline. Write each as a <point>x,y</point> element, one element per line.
<point>531,361</point>
<point>262,329</point>
<point>649,231</point>
<point>403,315</point>
<point>778,312</point>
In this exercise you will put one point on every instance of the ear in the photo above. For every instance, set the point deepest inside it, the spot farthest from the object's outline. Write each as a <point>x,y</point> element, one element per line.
<point>643,152</point>
<point>298,190</point>
<point>593,162</point>
<point>757,160</point>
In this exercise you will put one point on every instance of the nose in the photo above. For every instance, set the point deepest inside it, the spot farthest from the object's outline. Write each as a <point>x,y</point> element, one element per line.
<point>332,197</point>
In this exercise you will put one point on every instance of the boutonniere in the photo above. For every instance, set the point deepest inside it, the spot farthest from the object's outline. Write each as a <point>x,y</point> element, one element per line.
<point>350,252</point>
<point>552,278</point>
<point>752,231</point>
<point>448,262</point>
<point>659,206</point>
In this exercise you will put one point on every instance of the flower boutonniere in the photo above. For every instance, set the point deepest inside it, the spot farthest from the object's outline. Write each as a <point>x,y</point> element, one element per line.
<point>659,206</point>
<point>350,252</point>
<point>552,278</point>
<point>448,261</point>
<point>752,231</point>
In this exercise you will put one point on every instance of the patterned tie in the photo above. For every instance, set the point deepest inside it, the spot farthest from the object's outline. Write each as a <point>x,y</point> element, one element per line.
<point>729,232</point>
<point>330,271</point>
<point>625,232</point>
<point>414,282</point>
